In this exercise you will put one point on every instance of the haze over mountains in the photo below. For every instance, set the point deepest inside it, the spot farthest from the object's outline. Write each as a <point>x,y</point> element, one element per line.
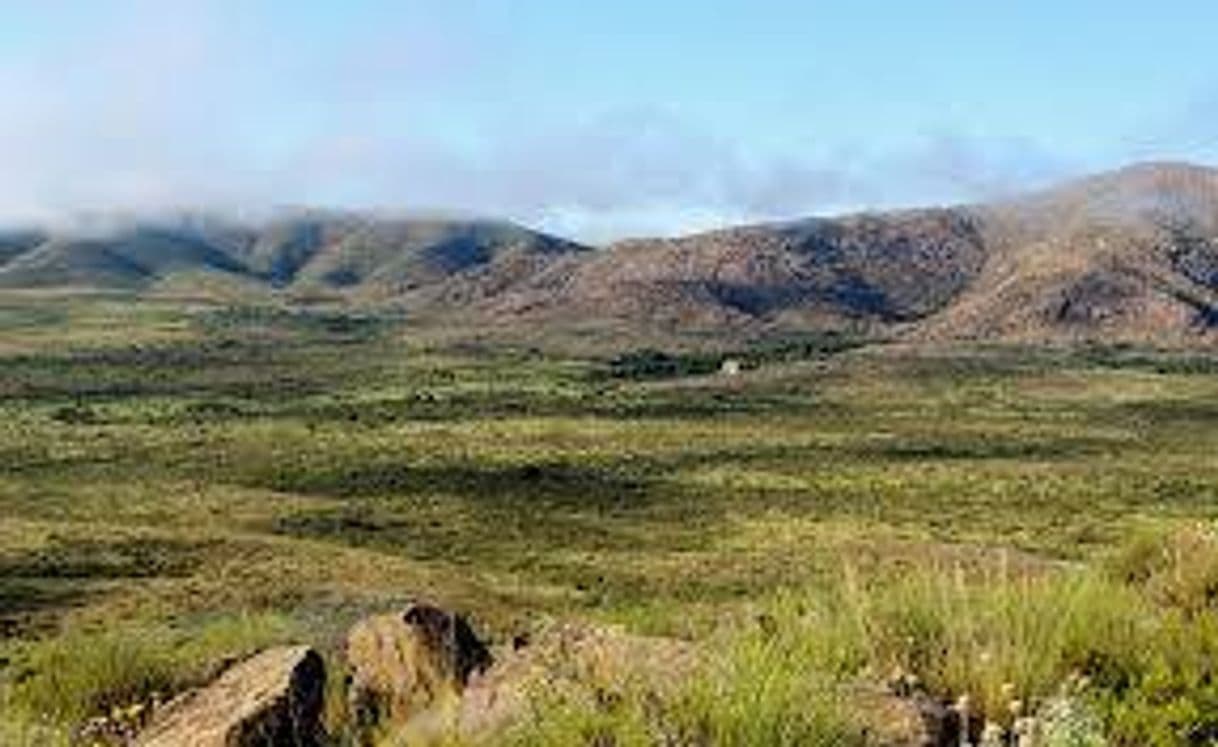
<point>1127,255</point>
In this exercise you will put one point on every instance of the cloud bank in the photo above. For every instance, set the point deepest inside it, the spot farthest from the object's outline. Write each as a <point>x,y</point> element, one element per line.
<point>204,105</point>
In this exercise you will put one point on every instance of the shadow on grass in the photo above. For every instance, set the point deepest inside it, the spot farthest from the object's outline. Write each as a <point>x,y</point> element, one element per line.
<point>499,539</point>
<point>553,484</point>
<point>424,406</point>
<point>1015,449</point>
<point>1174,411</point>
<point>30,604</point>
<point>37,585</point>
<point>73,558</point>
<point>898,450</point>
<point>506,518</point>
<point>485,514</point>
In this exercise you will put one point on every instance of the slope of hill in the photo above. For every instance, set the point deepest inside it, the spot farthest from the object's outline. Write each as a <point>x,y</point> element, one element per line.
<point>1131,254</point>
<point>398,256</point>
<point>15,243</point>
<point>883,268</point>
<point>132,262</point>
<point>360,255</point>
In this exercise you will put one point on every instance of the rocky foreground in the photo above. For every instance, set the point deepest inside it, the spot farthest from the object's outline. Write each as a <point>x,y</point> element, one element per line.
<point>422,676</point>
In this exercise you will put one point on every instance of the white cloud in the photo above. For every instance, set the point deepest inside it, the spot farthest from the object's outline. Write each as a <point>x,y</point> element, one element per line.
<point>205,105</point>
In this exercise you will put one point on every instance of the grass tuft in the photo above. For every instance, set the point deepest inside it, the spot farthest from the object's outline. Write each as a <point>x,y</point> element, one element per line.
<point>70,677</point>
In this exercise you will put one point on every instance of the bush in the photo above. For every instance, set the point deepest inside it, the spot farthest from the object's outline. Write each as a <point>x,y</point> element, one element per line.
<point>656,364</point>
<point>1070,722</point>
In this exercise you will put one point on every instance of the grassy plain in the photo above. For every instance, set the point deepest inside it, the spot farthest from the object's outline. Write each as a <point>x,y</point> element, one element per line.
<point>180,484</point>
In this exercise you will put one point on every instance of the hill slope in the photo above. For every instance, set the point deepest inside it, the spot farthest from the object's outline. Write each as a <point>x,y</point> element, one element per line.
<point>883,268</point>
<point>1132,254</point>
<point>1129,255</point>
<point>352,253</point>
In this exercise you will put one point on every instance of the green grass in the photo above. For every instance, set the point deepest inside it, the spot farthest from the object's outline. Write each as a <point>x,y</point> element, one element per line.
<point>759,693</point>
<point>163,465</point>
<point>85,672</point>
<point>58,682</point>
<point>1126,646</point>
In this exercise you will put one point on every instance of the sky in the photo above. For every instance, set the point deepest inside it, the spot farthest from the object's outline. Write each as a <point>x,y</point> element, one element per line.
<point>591,119</point>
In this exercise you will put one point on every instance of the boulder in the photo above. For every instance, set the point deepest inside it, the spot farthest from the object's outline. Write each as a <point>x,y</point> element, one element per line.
<point>572,659</point>
<point>411,667</point>
<point>423,677</point>
<point>273,698</point>
<point>912,719</point>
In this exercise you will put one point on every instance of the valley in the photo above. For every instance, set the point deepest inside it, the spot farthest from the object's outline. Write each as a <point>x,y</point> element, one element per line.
<point>185,483</point>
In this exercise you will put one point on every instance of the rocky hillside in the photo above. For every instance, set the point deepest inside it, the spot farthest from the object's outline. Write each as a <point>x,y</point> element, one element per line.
<point>888,268</point>
<point>1129,255</point>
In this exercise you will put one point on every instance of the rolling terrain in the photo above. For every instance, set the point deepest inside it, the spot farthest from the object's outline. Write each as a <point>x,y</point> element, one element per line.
<point>182,485</point>
<point>220,437</point>
<point>1129,255</point>
<point>342,253</point>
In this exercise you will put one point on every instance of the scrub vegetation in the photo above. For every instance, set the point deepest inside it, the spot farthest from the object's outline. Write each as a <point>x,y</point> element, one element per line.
<point>1030,527</point>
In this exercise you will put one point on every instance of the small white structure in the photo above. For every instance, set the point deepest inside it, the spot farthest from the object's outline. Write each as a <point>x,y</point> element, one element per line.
<point>730,367</point>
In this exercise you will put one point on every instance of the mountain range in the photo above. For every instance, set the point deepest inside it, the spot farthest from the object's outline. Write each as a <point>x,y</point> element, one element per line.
<point>1126,255</point>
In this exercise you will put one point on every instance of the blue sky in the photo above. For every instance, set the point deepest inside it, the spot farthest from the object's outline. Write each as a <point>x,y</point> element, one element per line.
<point>596,119</point>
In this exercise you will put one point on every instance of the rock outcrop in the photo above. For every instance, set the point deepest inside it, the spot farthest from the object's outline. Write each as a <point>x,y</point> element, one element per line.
<point>422,676</point>
<point>569,659</point>
<point>409,669</point>
<point>271,699</point>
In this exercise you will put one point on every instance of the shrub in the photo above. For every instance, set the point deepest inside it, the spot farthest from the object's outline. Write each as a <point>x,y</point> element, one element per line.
<point>1070,722</point>
<point>656,364</point>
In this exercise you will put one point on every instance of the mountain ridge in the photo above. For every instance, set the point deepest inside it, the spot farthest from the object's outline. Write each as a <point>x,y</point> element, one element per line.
<point>1128,254</point>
